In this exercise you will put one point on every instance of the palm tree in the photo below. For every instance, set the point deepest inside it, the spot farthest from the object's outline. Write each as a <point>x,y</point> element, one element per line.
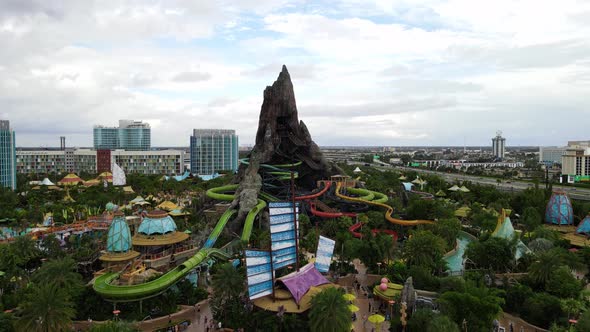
<point>329,311</point>
<point>47,308</point>
<point>227,282</point>
<point>62,273</point>
<point>547,262</point>
<point>26,249</point>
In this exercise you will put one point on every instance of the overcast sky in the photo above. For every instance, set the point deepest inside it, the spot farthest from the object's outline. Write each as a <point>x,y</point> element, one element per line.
<point>365,73</point>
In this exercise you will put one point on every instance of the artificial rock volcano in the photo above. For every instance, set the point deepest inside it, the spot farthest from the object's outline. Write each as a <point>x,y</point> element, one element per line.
<point>281,139</point>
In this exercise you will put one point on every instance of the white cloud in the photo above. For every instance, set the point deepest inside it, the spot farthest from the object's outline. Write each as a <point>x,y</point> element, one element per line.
<point>426,72</point>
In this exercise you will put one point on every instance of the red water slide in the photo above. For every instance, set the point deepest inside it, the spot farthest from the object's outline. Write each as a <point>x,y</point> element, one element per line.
<point>323,214</point>
<point>353,230</point>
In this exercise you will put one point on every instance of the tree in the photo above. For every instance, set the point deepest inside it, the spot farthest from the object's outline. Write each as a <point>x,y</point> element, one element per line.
<point>420,320</point>
<point>531,218</point>
<point>62,273</point>
<point>516,296</point>
<point>442,323</point>
<point>329,303</point>
<point>541,309</point>
<point>228,286</point>
<point>483,219</point>
<point>563,284</point>
<point>493,253</point>
<point>584,322</point>
<point>425,249</point>
<point>478,306</point>
<point>571,307</point>
<point>47,308</point>
<point>541,269</point>
<point>448,229</point>
<point>51,247</point>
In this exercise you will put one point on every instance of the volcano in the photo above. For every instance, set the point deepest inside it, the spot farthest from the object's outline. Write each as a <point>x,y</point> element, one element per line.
<point>281,139</point>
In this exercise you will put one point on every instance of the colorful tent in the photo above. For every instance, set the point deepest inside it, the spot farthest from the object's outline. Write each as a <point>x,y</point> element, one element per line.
<point>464,189</point>
<point>92,182</point>
<point>47,182</point>
<point>584,226</point>
<point>70,180</point>
<point>440,193</point>
<point>137,200</point>
<point>462,212</point>
<point>168,206</point>
<point>105,176</point>
<point>559,209</point>
<point>454,188</point>
<point>128,190</point>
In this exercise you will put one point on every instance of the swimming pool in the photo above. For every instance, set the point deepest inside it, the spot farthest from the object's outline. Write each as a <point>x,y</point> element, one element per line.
<point>455,261</point>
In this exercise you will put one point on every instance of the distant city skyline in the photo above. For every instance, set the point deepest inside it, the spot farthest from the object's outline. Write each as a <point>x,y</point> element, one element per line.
<point>419,73</point>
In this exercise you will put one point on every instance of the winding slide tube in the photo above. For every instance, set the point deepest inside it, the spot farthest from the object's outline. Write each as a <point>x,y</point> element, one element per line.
<point>389,209</point>
<point>102,285</point>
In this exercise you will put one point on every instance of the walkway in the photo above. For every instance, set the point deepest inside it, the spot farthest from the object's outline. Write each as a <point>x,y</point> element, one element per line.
<point>362,301</point>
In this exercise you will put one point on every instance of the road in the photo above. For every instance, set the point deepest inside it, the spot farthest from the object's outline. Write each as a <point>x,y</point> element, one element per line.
<point>504,185</point>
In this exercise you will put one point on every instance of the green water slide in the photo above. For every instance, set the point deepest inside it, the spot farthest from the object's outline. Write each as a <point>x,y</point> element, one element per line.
<point>364,194</point>
<point>249,222</point>
<point>103,286</point>
<point>218,193</point>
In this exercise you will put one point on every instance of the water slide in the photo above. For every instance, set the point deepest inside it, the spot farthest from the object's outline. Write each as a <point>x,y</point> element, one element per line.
<point>327,185</point>
<point>103,286</point>
<point>326,214</point>
<point>353,230</point>
<point>218,193</point>
<point>379,201</point>
<point>422,194</point>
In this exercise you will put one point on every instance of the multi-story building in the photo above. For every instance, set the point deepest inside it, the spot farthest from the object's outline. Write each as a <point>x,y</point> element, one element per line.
<point>47,161</point>
<point>7,156</point>
<point>213,150</point>
<point>499,145</point>
<point>130,135</point>
<point>576,162</point>
<point>150,162</point>
<point>551,154</point>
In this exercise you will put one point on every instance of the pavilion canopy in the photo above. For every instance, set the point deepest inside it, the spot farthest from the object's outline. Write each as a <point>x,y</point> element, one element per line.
<point>106,176</point>
<point>70,180</point>
<point>47,182</point>
<point>168,206</point>
<point>464,189</point>
<point>300,282</point>
<point>454,188</point>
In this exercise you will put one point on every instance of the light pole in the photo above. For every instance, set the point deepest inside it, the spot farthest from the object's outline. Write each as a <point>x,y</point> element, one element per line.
<point>379,268</point>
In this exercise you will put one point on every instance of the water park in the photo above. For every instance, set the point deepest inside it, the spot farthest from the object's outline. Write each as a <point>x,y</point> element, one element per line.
<point>292,242</point>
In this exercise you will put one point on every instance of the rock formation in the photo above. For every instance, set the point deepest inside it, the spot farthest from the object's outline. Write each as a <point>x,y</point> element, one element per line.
<point>281,139</point>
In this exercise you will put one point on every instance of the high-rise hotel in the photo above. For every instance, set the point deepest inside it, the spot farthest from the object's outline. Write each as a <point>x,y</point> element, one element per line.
<point>7,156</point>
<point>130,135</point>
<point>213,150</point>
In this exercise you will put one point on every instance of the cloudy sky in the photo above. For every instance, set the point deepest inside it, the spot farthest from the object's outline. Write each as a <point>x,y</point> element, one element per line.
<point>365,73</point>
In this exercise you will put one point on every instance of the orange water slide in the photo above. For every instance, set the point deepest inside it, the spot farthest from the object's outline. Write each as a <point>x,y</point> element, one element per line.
<point>327,185</point>
<point>389,209</point>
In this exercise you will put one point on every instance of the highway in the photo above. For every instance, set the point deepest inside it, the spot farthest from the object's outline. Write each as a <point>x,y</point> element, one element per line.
<point>504,185</point>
